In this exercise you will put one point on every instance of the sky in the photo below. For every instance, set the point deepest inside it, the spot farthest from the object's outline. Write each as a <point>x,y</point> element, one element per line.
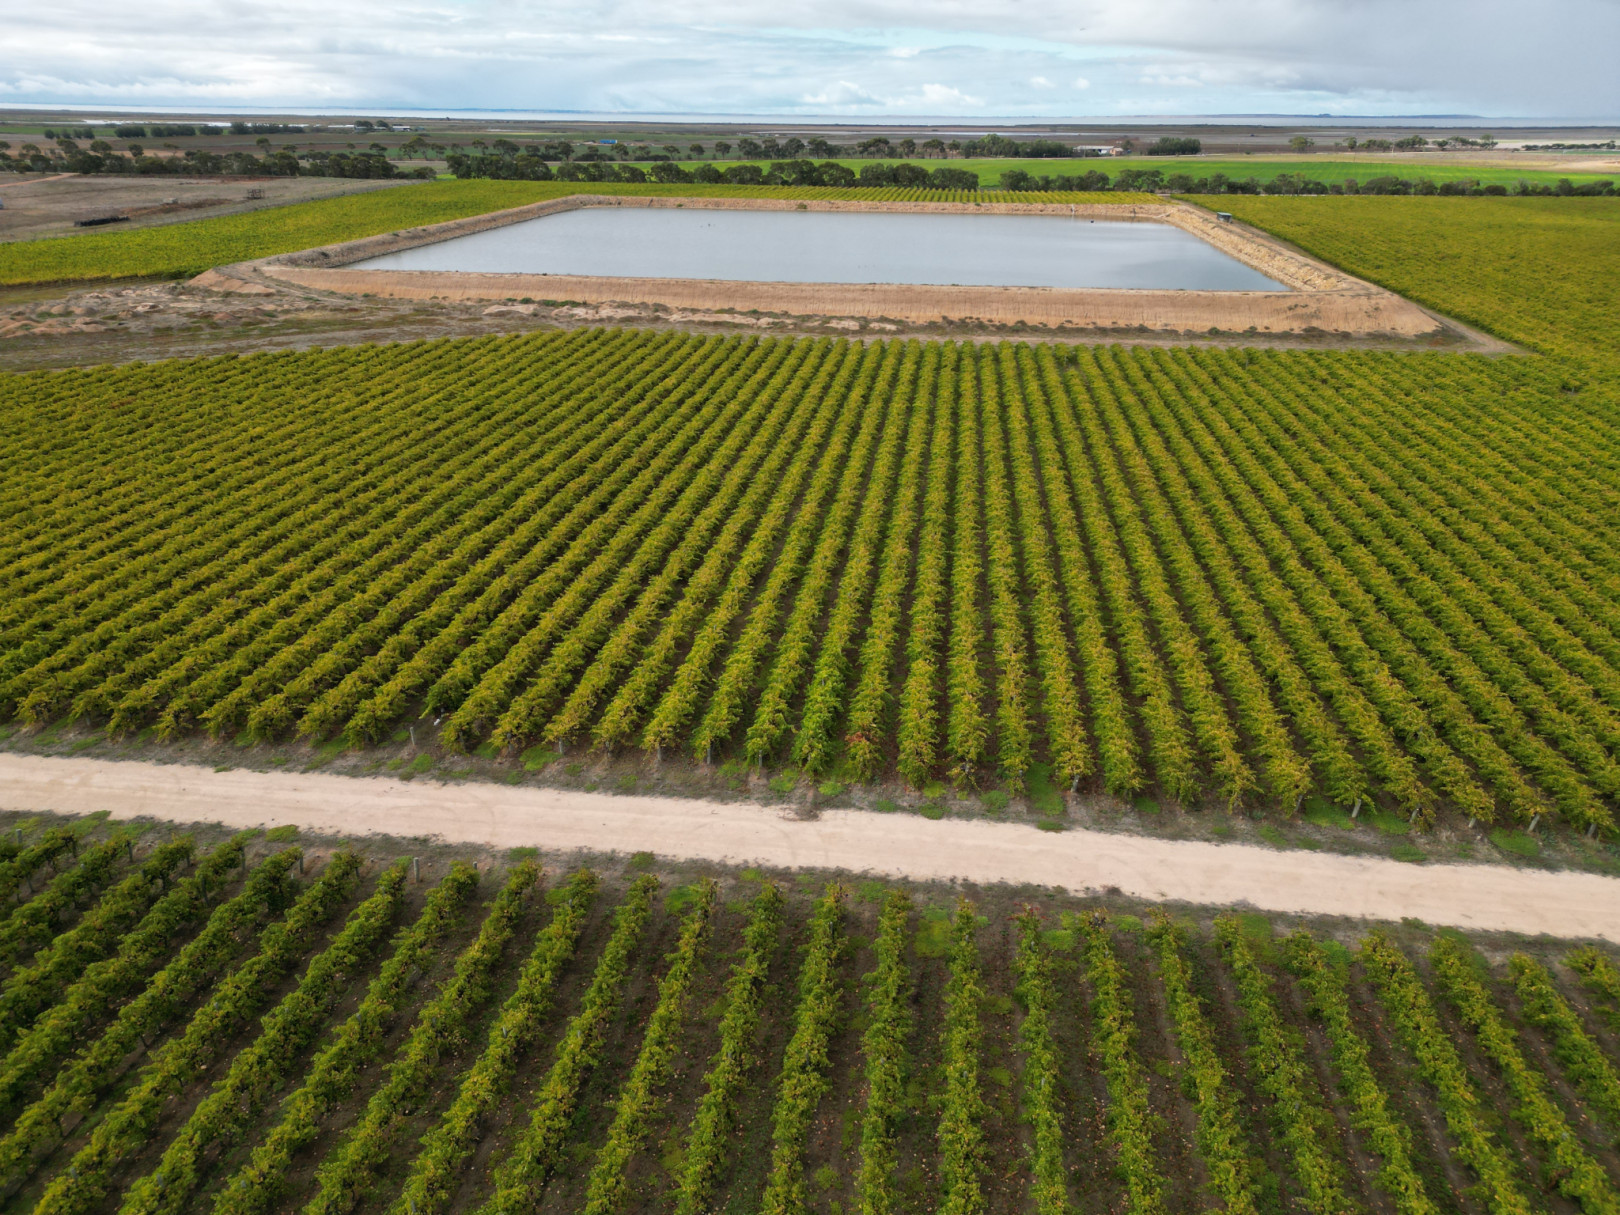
<point>835,58</point>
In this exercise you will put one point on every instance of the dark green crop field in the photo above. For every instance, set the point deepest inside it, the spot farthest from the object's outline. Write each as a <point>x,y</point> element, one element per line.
<point>255,1025</point>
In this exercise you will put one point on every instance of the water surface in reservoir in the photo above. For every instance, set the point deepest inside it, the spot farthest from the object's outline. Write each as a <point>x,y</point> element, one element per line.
<point>841,247</point>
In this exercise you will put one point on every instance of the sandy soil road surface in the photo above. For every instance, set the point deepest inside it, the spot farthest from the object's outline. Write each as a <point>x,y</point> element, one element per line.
<point>1465,896</point>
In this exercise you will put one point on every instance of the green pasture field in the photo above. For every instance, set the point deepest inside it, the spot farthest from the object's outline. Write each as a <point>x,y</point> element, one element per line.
<point>1328,169</point>
<point>183,249</point>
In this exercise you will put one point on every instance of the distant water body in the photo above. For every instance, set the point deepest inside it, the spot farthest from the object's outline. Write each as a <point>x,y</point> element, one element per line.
<point>841,247</point>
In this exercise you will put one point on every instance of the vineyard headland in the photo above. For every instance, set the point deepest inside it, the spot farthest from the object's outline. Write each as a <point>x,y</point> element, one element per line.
<point>255,1022</point>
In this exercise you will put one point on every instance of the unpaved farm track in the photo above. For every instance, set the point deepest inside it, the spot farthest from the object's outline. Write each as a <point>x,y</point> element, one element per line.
<point>1484,897</point>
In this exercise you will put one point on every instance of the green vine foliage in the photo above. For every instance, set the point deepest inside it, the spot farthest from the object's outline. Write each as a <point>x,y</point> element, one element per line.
<point>1582,1059</point>
<point>1042,1077</point>
<point>710,1137</point>
<point>204,961</point>
<point>352,1168</point>
<point>84,1185</point>
<point>1131,1122</point>
<point>1601,977</point>
<point>1570,1167</point>
<point>521,1178</point>
<point>332,1073</point>
<point>32,988</point>
<point>1384,1132</point>
<point>962,1146</point>
<point>1221,1141</point>
<point>1305,1126</point>
<point>19,868</point>
<point>34,924</point>
<point>436,1172</point>
<point>105,984</point>
<point>884,1047</point>
<point>804,1081</point>
<point>607,1190</point>
<point>1408,1005</point>
<point>218,1121</point>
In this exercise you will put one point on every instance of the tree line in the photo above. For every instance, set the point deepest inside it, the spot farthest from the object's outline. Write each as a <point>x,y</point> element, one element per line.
<point>99,157</point>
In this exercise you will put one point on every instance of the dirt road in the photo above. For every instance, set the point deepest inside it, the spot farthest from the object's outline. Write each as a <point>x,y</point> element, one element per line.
<point>1465,896</point>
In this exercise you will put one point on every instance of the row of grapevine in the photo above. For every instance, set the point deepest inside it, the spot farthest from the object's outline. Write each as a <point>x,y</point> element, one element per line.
<point>1385,1134</point>
<point>1042,1071</point>
<point>962,1108</point>
<point>31,988</point>
<point>884,1047</point>
<point>712,596</point>
<point>104,984</point>
<point>18,869</point>
<point>436,1170</point>
<point>1602,977</point>
<point>1114,1033</point>
<point>35,923</point>
<point>182,1059</point>
<point>1413,1014</point>
<point>1282,1072</point>
<point>738,1052</point>
<point>804,1080</point>
<point>331,1074</point>
<point>723,496</point>
<point>258,1069</point>
<point>1578,1175</point>
<point>606,1191</point>
<point>1581,1058</point>
<point>1222,1141</point>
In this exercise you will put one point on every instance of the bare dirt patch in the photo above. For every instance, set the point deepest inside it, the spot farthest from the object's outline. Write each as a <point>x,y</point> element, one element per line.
<point>62,326</point>
<point>50,206</point>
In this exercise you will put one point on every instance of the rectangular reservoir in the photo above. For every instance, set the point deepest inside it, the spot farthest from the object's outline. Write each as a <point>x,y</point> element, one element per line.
<point>841,247</point>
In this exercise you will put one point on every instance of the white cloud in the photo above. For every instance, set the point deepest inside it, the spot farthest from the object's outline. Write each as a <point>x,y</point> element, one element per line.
<point>1040,82</point>
<point>843,93</point>
<point>1173,80</point>
<point>845,96</point>
<point>1080,82</point>
<point>947,98</point>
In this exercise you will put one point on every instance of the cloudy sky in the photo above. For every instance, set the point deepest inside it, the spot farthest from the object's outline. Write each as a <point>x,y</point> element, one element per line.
<point>1060,58</point>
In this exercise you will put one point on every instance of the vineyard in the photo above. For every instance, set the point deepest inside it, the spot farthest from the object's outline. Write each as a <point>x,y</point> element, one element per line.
<point>181,250</point>
<point>252,1024</point>
<point>1488,267</point>
<point>1227,577</point>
